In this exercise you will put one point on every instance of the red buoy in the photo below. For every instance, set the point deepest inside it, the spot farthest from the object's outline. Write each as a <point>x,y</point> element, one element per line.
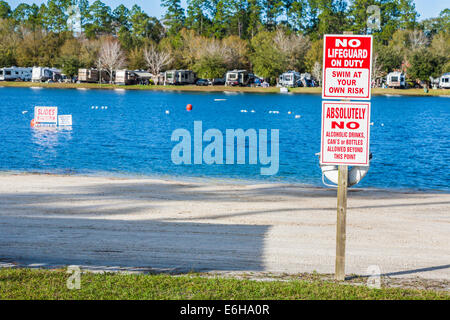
<point>32,123</point>
<point>189,107</point>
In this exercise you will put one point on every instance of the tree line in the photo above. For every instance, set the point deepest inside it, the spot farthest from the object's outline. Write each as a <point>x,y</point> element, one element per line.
<point>212,36</point>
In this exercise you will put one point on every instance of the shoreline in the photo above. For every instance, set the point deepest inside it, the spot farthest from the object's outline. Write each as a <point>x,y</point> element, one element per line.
<point>197,226</point>
<point>213,180</point>
<point>217,89</point>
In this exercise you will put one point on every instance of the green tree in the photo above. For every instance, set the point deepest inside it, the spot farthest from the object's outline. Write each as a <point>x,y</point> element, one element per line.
<point>69,59</point>
<point>220,21</point>
<point>121,16</point>
<point>8,44</point>
<point>266,57</point>
<point>100,20</point>
<point>424,64</point>
<point>5,10</point>
<point>196,18</point>
<point>359,15</point>
<point>174,17</point>
<point>272,9</point>
<point>238,18</point>
<point>407,14</point>
<point>295,11</point>
<point>388,58</point>
<point>438,24</point>
<point>210,67</point>
<point>136,59</point>
<point>143,26</point>
<point>254,17</point>
<point>314,54</point>
<point>55,15</point>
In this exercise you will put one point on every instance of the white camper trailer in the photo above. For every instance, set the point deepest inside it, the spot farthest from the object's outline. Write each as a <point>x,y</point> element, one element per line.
<point>444,81</point>
<point>15,74</point>
<point>179,77</point>
<point>239,78</point>
<point>396,79</point>
<point>43,74</point>
<point>88,75</point>
<point>289,79</point>
<point>125,77</point>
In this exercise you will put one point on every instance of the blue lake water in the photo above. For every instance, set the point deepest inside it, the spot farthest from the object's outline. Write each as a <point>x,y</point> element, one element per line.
<point>410,138</point>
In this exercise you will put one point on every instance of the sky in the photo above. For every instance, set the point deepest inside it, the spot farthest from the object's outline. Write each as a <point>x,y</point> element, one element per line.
<point>426,8</point>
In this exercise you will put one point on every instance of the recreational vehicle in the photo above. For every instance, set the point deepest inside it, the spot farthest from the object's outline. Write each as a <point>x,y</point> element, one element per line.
<point>143,77</point>
<point>88,75</point>
<point>396,79</point>
<point>15,74</point>
<point>125,77</point>
<point>289,79</point>
<point>43,74</point>
<point>239,78</point>
<point>444,81</point>
<point>179,77</point>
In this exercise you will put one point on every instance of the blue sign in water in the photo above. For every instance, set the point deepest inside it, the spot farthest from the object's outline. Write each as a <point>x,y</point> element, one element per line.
<point>128,132</point>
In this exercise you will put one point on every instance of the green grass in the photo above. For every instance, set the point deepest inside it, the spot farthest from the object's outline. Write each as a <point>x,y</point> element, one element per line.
<point>376,91</point>
<point>47,284</point>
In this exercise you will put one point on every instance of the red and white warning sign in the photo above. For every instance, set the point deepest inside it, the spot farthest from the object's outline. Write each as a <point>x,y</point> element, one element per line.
<point>345,133</point>
<point>347,65</point>
<point>46,116</point>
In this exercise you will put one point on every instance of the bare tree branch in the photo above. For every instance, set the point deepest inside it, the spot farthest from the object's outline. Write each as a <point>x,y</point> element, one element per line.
<point>418,39</point>
<point>156,60</point>
<point>111,57</point>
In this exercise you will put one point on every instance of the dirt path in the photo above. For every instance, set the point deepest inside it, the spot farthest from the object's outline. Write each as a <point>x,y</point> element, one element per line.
<point>215,226</point>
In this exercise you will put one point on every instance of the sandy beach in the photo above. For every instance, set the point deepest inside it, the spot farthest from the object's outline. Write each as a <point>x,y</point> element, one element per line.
<point>167,225</point>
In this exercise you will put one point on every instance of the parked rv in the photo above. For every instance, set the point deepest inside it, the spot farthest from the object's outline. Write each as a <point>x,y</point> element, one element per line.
<point>444,81</point>
<point>125,77</point>
<point>88,75</point>
<point>396,79</point>
<point>239,78</point>
<point>15,74</point>
<point>143,77</point>
<point>43,74</point>
<point>179,77</point>
<point>289,79</point>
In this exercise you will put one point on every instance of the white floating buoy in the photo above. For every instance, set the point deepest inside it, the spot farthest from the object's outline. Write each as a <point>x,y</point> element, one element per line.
<point>167,111</point>
<point>298,116</point>
<point>289,112</point>
<point>253,111</point>
<point>382,124</point>
<point>371,123</point>
<point>23,112</point>
<point>96,107</point>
